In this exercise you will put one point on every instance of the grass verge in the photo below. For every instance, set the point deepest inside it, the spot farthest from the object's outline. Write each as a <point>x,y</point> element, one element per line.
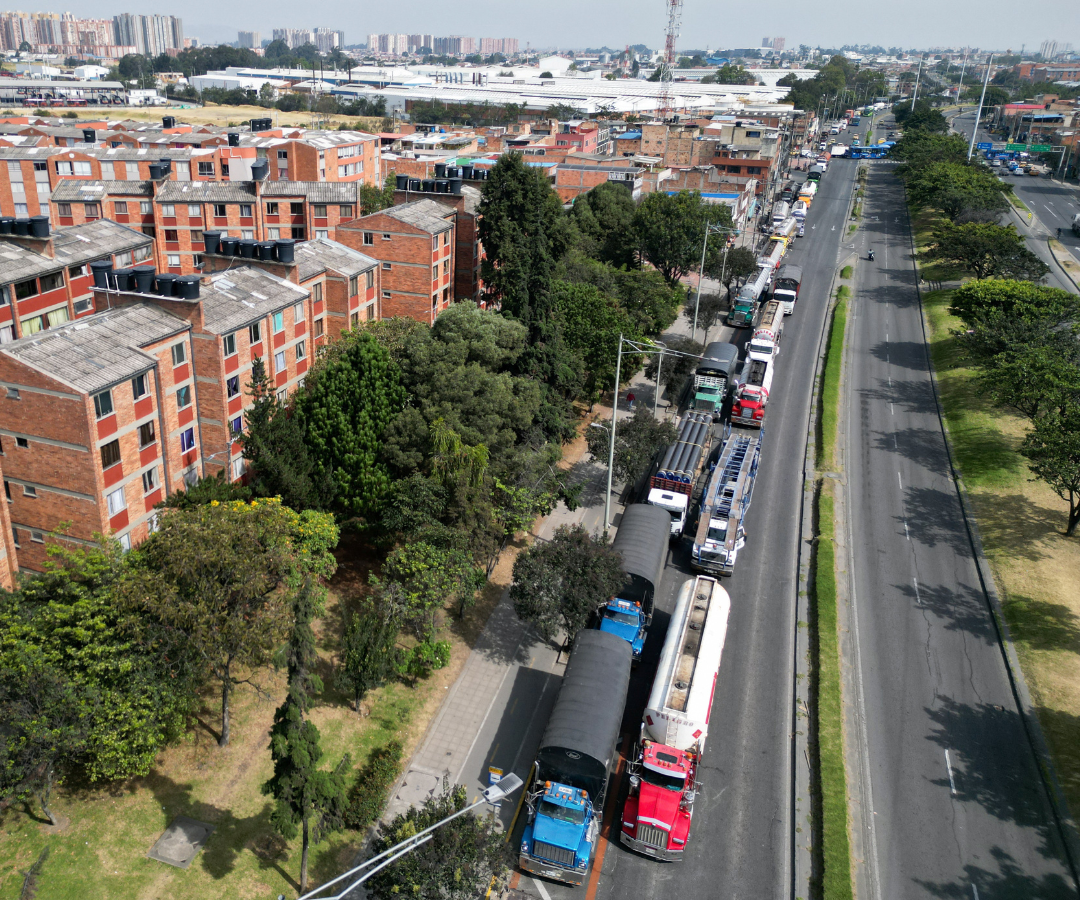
<point>834,860</point>
<point>1020,523</point>
<point>1017,202</point>
<point>830,386</point>
<point>845,272</point>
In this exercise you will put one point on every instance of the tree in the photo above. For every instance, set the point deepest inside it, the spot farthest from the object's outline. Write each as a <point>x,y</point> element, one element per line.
<point>922,118</point>
<point>648,299</point>
<point>562,112</point>
<point>206,489</point>
<point>274,447</point>
<point>708,309</point>
<point>638,439</point>
<point>1034,379</point>
<point>428,578</point>
<point>463,859</point>
<point>729,74</point>
<point>604,218</point>
<point>1052,449</point>
<point>559,584</point>
<point>676,367</point>
<point>546,75</point>
<point>671,230</point>
<point>740,263</point>
<point>987,250</point>
<point>307,798</point>
<point>962,191</point>
<point>592,324</point>
<point>219,579</point>
<point>368,655</point>
<point>373,199</point>
<point>351,395</point>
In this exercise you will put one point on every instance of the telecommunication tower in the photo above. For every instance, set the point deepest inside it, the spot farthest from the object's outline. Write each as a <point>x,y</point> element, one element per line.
<point>667,66</point>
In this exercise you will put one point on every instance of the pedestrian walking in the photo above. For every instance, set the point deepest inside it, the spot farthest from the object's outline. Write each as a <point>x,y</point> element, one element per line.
<point>630,400</point>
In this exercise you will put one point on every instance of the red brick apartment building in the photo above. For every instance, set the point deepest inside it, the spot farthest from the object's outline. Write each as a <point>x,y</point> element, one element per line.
<point>97,421</point>
<point>45,282</point>
<point>574,179</point>
<point>414,244</point>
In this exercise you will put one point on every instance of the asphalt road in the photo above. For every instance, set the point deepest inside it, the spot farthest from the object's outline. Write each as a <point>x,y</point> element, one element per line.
<point>957,806</point>
<point>741,839</point>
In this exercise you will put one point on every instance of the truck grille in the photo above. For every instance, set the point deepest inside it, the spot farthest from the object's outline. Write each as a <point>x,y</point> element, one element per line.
<point>555,854</point>
<point>651,836</point>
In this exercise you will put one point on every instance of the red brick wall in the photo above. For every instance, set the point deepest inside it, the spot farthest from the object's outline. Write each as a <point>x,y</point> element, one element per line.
<point>9,560</point>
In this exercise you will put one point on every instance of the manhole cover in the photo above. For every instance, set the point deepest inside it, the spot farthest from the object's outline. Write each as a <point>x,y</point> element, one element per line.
<point>182,840</point>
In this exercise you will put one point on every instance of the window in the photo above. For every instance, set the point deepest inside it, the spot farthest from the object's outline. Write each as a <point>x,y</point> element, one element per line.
<point>386,295</point>
<point>196,237</point>
<point>220,211</point>
<point>116,502</point>
<point>172,260</point>
<point>81,306</point>
<point>24,289</point>
<point>29,490</point>
<point>236,425</point>
<point>386,267</point>
<point>228,344</point>
<point>345,211</point>
<point>435,243</point>
<point>22,442</point>
<point>183,397</point>
<point>146,434</point>
<point>283,154</point>
<point>179,354</point>
<point>7,490</point>
<point>298,312</point>
<point>194,211</point>
<point>232,386</point>
<point>64,209</point>
<point>15,533</point>
<point>187,440</point>
<point>446,267</point>
<point>103,405</point>
<point>245,210</point>
<point>298,232</point>
<point>316,292</point>
<point>62,168</point>
<point>207,169</point>
<point>370,274</point>
<point>354,285</point>
<point>296,209</point>
<point>120,207</point>
<point>255,332</point>
<point>322,233</point>
<point>13,394</point>
<point>279,321</point>
<point>168,209</point>
<point>237,468</point>
<point>150,480</point>
<point>445,238</point>
<point>434,273</point>
<point>52,281</point>
<point>386,237</point>
<point>138,386</point>
<point>272,209</point>
<point>110,454</point>
<point>247,234</point>
<point>369,238</point>
<point>125,542</point>
<point>319,326</point>
<point>37,537</point>
<point>146,208</point>
<point>319,210</point>
<point>279,361</point>
<point>301,350</point>
<point>171,237</point>
<point>273,234</point>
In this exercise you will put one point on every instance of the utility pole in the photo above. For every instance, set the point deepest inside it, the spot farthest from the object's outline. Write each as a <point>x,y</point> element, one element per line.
<point>915,93</point>
<point>978,112</point>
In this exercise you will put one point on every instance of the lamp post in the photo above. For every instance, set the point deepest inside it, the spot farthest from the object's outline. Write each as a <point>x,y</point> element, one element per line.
<point>502,789</point>
<point>978,111</point>
<point>709,229</point>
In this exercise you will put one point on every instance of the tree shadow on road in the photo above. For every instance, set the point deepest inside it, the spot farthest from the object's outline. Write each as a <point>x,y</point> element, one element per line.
<point>961,608</point>
<point>992,765</point>
<point>922,446</point>
<point>911,395</point>
<point>1008,882</point>
<point>905,354</point>
<point>933,518</point>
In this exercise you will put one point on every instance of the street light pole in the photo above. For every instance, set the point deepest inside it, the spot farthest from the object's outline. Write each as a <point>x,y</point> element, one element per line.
<point>978,112</point>
<point>611,446</point>
<point>709,229</point>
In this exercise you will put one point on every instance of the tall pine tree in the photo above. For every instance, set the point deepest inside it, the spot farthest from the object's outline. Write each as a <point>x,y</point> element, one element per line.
<point>308,799</point>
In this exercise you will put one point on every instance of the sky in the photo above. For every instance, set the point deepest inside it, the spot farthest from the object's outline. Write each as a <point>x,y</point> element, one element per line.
<point>570,24</point>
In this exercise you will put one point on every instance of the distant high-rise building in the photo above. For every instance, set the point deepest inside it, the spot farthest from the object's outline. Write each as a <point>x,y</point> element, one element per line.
<point>778,44</point>
<point>249,39</point>
<point>294,38</point>
<point>149,35</point>
<point>420,42</point>
<point>505,46</point>
<point>328,39</point>
<point>1050,49</point>
<point>766,43</point>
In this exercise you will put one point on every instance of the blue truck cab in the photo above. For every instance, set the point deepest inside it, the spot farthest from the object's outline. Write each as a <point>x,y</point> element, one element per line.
<point>559,839</point>
<point>626,620</point>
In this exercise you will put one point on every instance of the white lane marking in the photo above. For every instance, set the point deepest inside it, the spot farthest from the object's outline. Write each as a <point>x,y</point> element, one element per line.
<point>952,784</point>
<point>975,892</point>
<point>915,581</point>
<point>1048,209</point>
<point>540,887</point>
<point>900,481</point>
<point>892,412</point>
<point>907,534</point>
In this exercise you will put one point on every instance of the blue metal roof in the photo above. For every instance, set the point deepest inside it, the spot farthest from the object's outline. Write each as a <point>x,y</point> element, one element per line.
<point>629,136</point>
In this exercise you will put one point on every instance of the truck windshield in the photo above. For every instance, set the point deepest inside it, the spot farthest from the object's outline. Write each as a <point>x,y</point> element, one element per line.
<point>663,780</point>
<point>718,533</point>
<point>575,816</point>
<point>624,617</point>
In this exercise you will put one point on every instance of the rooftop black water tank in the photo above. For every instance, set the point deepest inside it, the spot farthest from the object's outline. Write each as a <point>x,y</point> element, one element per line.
<point>157,171</point>
<point>124,279</point>
<point>453,171</point>
<point>467,173</point>
<point>455,185</point>
<point>166,164</point>
<point>429,185</point>
<point>246,248</point>
<point>260,169</point>
<point>440,170</point>
<point>211,241</point>
<point>20,227</point>
<point>286,250</point>
<point>144,279</point>
<point>234,139</point>
<point>401,182</point>
<point>166,283</point>
<point>442,186</point>
<point>100,269</point>
<point>187,287</point>
<point>39,226</point>
<point>264,250</point>
<point>227,246</point>
<point>168,121</point>
<point>89,136</point>
<point>415,184</point>
<point>6,224</point>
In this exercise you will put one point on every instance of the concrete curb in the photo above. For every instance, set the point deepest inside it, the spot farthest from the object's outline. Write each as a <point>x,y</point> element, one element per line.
<point>1067,828</point>
<point>1064,271</point>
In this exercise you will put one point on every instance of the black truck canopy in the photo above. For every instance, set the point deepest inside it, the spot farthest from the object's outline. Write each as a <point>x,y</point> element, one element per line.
<point>580,740</point>
<point>642,541</point>
<point>720,359</point>
<point>790,273</point>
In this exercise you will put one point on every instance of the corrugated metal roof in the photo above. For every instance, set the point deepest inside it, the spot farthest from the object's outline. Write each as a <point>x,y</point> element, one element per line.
<point>239,296</point>
<point>206,192</point>
<point>322,254</point>
<point>72,189</point>
<point>314,191</point>
<point>98,351</point>
<point>427,215</point>
<point>73,246</point>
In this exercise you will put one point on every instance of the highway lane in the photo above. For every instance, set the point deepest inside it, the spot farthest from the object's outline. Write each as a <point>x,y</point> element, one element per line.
<point>958,806</point>
<point>740,843</point>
